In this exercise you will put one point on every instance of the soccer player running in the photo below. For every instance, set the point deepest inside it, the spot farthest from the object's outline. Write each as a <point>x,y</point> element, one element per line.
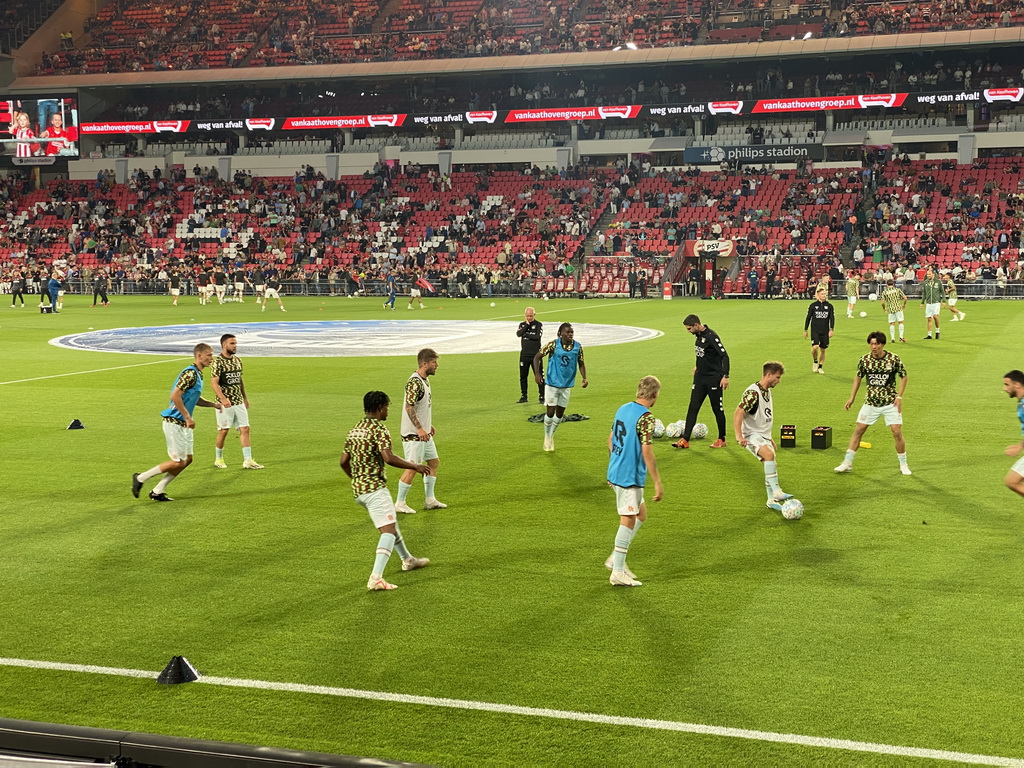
<point>852,292</point>
<point>821,319</point>
<point>630,460</point>
<point>752,422</point>
<point>951,299</point>
<point>884,399</point>
<point>893,302</point>
<point>392,291</point>
<point>1013,385</point>
<point>566,357</point>
<point>418,433</point>
<point>367,449</point>
<point>933,293</point>
<point>710,379</point>
<point>226,378</point>
<point>179,428</point>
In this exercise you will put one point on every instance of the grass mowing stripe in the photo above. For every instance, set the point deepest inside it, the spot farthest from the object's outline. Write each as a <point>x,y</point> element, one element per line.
<point>557,714</point>
<point>95,370</point>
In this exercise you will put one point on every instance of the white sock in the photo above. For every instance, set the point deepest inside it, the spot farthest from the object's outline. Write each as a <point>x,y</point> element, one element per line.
<point>385,544</point>
<point>403,551</point>
<point>164,482</point>
<point>892,332</point>
<point>547,425</point>
<point>903,459</point>
<point>428,485</point>
<point>848,459</point>
<point>901,330</point>
<point>220,453</point>
<point>403,491</point>
<point>149,474</point>
<point>771,476</point>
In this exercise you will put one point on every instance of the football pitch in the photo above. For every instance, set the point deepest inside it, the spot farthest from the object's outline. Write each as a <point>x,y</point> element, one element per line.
<point>891,614</point>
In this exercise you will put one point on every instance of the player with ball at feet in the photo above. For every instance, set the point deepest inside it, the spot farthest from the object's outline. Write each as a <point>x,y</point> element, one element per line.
<point>884,399</point>
<point>630,460</point>
<point>752,422</point>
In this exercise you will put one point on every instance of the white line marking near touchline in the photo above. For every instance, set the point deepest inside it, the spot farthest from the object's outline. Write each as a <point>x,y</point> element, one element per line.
<point>557,714</point>
<point>96,370</point>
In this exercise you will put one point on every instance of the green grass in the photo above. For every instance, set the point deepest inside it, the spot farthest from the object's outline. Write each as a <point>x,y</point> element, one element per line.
<point>891,613</point>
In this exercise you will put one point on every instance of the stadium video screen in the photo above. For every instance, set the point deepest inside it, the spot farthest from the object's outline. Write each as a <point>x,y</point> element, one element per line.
<point>39,126</point>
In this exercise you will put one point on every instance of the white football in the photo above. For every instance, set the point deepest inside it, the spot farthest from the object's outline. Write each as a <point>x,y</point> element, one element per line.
<point>792,509</point>
<point>863,314</point>
<point>700,431</point>
<point>659,428</point>
<point>872,297</point>
<point>673,431</point>
<point>493,304</point>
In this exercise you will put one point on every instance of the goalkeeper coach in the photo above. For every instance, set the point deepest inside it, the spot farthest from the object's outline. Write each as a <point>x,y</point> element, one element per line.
<point>710,379</point>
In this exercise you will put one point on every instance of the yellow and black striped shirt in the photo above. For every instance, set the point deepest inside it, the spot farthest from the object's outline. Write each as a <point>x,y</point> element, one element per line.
<point>228,372</point>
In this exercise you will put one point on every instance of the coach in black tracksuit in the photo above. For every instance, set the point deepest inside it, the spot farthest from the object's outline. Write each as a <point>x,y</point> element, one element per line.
<point>710,379</point>
<point>529,333</point>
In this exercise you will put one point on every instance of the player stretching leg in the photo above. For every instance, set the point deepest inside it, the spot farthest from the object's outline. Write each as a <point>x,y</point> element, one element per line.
<point>631,459</point>
<point>367,449</point>
<point>881,369</point>
<point>752,422</point>
<point>1013,385</point>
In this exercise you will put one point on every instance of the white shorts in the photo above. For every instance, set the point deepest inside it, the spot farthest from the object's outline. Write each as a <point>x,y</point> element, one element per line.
<point>896,317</point>
<point>206,290</point>
<point>234,416</point>
<point>851,299</point>
<point>260,289</point>
<point>756,442</point>
<point>271,293</point>
<point>60,293</point>
<point>221,289</point>
<point>951,302</point>
<point>557,396</point>
<point>869,414</point>
<point>1018,466</point>
<point>931,310</point>
<point>179,441</point>
<point>628,500</point>
<point>175,291</point>
<point>239,287</point>
<point>418,451</point>
<point>380,506</point>
<point>414,293</point>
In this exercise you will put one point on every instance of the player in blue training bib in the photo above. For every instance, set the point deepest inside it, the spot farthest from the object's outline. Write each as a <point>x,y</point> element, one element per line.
<point>566,357</point>
<point>630,460</point>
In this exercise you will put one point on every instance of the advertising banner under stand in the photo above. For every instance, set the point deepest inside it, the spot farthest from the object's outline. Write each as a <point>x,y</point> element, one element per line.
<point>757,154</point>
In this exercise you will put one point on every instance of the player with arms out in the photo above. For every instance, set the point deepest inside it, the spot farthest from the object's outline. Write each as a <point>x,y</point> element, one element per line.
<point>884,399</point>
<point>273,291</point>
<point>1013,385</point>
<point>631,459</point>
<point>418,432</point>
<point>226,378</point>
<point>821,319</point>
<point>566,357</point>
<point>367,449</point>
<point>752,422</point>
<point>415,292</point>
<point>179,428</point>
<point>893,301</point>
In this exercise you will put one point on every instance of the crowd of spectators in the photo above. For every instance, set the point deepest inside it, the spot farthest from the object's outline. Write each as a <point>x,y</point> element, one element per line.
<point>149,34</point>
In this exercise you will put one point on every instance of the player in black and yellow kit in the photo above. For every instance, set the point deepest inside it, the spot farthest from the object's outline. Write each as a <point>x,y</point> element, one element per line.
<point>226,378</point>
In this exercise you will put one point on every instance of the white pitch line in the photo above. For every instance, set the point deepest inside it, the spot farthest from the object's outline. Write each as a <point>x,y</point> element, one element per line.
<point>95,370</point>
<point>556,714</point>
